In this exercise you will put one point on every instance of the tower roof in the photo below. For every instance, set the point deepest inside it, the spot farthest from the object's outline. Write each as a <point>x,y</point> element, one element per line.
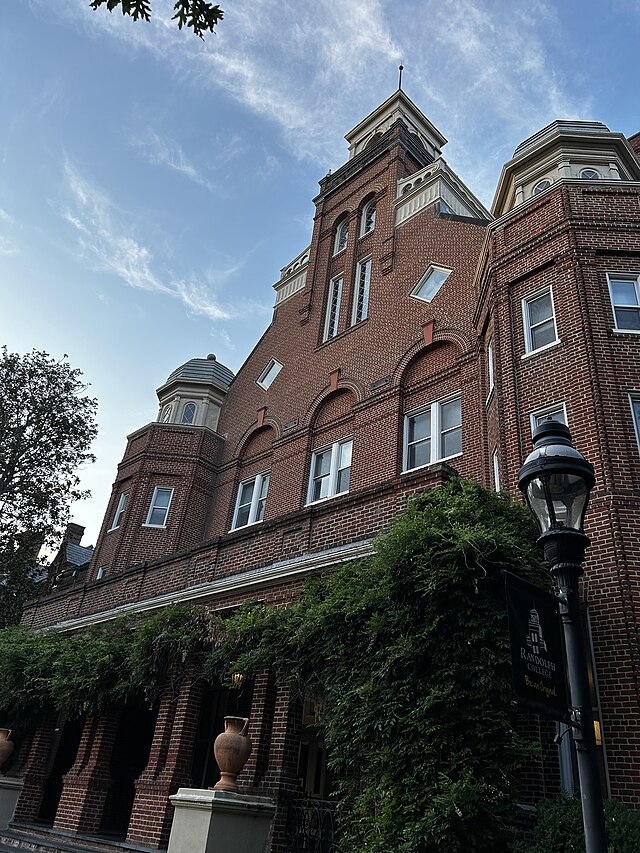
<point>207,370</point>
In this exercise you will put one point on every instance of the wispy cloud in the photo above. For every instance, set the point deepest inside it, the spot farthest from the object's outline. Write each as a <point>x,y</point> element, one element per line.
<point>105,240</point>
<point>7,244</point>
<point>164,151</point>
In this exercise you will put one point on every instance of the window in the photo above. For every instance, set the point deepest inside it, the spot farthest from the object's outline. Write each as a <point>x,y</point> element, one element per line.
<point>342,237</point>
<point>430,283</point>
<point>166,414</point>
<point>361,293</point>
<point>159,508</point>
<point>330,471</point>
<point>496,470</point>
<point>252,495</point>
<point>102,570</point>
<point>122,505</point>
<point>333,309</point>
<point>368,221</point>
<point>433,433</point>
<point>189,413</point>
<point>541,186</point>
<point>589,175</point>
<point>634,399</point>
<point>556,411</point>
<point>539,321</point>
<point>625,299</point>
<point>270,372</point>
<point>490,366</point>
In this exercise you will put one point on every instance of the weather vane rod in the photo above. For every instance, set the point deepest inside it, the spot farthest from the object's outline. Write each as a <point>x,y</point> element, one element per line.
<point>400,69</point>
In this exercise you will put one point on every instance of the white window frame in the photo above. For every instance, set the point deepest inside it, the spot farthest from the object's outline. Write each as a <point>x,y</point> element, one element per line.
<point>268,375</point>
<point>595,177</point>
<point>545,411</point>
<point>152,506</point>
<point>423,280</point>
<point>102,570</point>
<point>195,413</point>
<point>334,296</point>
<point>630,277</point>
<point>365,215</point>
<point>254,517</point>
<point>539,188</point>
<point>336,450</point>
<point>491,370</point>
<point>120,510</point>
<point>342,228</point>
<point>526,321</point>
<point>435,446</point>
<point>495,460</point>
<point>165,415</point>
<point>634,402</point>
<point>363,284</point>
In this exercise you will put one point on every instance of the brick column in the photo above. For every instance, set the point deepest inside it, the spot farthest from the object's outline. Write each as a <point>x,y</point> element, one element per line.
<point>36,768</point>
<point>85,786</point>
<point>260,726</point>
<point>169,765</point>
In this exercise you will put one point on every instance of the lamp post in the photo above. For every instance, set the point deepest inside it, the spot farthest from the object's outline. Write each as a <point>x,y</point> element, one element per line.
<point>556,480</point>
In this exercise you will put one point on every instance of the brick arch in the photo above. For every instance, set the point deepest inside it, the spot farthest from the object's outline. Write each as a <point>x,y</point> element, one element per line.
<point>350,387</point>
<point>257,441</point>
<point>338,405</point>
<point>448,345</point>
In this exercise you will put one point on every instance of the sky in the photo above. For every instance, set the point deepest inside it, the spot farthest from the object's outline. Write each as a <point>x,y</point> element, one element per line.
<point>152,185</point>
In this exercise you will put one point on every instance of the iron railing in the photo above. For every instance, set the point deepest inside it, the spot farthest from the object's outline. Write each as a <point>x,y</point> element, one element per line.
<point>310,826</point>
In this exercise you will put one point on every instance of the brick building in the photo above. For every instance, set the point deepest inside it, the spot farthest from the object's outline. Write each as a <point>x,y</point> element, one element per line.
<point>416,334</point>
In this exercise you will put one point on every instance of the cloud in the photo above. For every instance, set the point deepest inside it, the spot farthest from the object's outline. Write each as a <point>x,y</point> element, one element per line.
<point>106,241</point>
<point>164,151</point>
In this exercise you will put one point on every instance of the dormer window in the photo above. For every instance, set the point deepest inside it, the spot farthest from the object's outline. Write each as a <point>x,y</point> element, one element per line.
<point>342,237</point>
<point>589,175</point>
<point>368,222</point>
<point>541,186</point>
<point>188,413</point>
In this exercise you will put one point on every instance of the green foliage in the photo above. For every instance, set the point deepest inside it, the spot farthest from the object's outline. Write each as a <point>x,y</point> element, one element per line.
<point>47,425</point>
<point>410,652</point>
<point>198,15</point>
<point>559,828</point>
<point>98,667</point>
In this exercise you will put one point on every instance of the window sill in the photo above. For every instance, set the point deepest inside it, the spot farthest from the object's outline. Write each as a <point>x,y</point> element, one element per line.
<point>111,529</point>
<point>535,352</point>
<point>328,498</point>
<point>490,396</point>
<point>430,464</point>
<point>156,526</point>
<point>626,331</point>
<point>344,332</point>
<point>244,526</point>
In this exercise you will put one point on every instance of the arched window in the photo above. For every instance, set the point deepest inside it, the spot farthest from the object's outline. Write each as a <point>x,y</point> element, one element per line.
<point>166,414</point>
<point>541,186</point>
<point>342,237</point>
<point>589,175</point>
<point>188,413</point>
<point>368,221</point>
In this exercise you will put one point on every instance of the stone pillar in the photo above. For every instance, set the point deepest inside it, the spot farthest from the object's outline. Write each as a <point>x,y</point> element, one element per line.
<point>169,765</point>
<point>220,822</point>
<point>85,786</point>
<point>37,764</point>
<point>10,789</point>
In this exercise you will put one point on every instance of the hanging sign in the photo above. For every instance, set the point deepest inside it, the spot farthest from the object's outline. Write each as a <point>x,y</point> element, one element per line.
<point>537,651</point>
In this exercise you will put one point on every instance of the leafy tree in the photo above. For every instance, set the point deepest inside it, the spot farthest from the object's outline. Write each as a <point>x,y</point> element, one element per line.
<point>198,15</point>
<point>47,425</point>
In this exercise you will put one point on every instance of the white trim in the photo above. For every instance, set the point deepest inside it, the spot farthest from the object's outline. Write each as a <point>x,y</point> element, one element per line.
<point>544,411</point>
<point>527,324</point>
<point>496,469</point>
<point>335,450</point>
<point>632,278</point>
<point>262,379</point>
<point>581,175</point>
<point>342,226</point>
<point>256,496</point>
<point>365,213</point>
<point>365,264</point>
<point>634,400</point>
<point>491,371</point>
<point>264,576</point>
<point>431,269</point>
<point>120,510</point>
<point>435,435</point>
<point>102,570</point>
<point>152,506</point>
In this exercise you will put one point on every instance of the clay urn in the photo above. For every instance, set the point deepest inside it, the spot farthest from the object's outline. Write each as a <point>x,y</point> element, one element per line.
<point>231,748</point>
<point>6,745</point>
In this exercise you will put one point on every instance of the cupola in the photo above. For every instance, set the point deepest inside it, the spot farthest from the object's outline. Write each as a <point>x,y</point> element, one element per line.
<point>194,393</point>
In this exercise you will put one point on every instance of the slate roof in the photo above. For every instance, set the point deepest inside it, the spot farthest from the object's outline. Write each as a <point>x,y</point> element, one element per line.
<point>204,370</point>
<point>78,555</point>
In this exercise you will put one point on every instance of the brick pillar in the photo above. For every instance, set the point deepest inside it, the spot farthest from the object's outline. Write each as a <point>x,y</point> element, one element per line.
<point>85,786</point>
<point>260,726</point>
<point>280,780</point>
<point>169,765</point>
<point>37,765</point>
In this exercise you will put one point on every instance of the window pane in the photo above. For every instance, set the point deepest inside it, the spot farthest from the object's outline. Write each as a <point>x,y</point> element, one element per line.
<point>555,415</point>
<point>624,292</point>
<point>242,516</point>
<point>540,309</point>
<point>322,463</point>
<point>246,493</point>
<point>188,413</point>
<point>419,427</point>
<point>543,334</point>
<point>452,442</point>
<point>450,414</point>
<point>419,454</point>
<point>628,318</point>
<point>345,454</point>
<point>163,496</point>
<point>431,284</point>
<point>158,516</point>
<point>342,483</point>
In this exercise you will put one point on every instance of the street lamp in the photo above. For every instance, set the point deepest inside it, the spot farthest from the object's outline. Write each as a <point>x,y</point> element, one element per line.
<point>556,480</point>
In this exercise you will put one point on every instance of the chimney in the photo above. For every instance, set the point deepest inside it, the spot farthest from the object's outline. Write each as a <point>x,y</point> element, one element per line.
<point>74,533</point>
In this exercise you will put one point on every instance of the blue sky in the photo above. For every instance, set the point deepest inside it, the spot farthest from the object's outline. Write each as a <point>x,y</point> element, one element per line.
<point>152,185</point>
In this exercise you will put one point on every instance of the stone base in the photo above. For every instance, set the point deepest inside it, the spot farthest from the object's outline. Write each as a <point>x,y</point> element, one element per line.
<point>207,821</point>
<point>10,788</point>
